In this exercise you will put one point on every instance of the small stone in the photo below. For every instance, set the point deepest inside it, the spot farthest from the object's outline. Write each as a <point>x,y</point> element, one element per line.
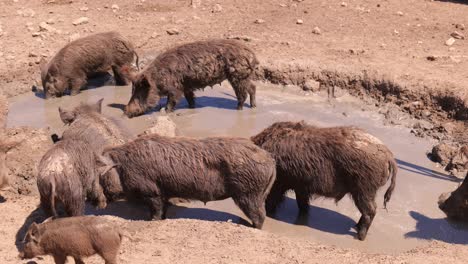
<point>36,34</point>
<point>43,26</point>
<point>420,42</point>
<point>450,41</point>
<point>115,7</point>
<point>457,35</point>
<point>460,26</point>
<point>299,22</point>
<point>344,4</point>
<point>396,32</point>
<point>50,21</point>
<point>400,13</point>
<point>84,8</point>
<point>317,31</point>
<point>259,21</point>
<point>74,37</point>
<point>173,31</point>
<point>32,54</point>
<point>311,85</point>
<point>217,8</point>
<point>80,21</point>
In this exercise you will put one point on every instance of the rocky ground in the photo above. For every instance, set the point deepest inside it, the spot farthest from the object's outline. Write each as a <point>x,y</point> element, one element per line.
<point>405,58</point>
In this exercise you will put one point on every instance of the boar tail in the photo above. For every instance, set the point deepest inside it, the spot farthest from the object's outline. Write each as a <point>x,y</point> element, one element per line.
<point>393,171</point>
<point>52,199</point>
<point>271,182</point>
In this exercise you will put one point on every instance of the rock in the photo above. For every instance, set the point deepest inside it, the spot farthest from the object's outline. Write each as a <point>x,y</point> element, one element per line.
<point>36,34</point>
<point>173,31</point>
<point>244,38</point>
<point>316,30</point>
<point>459,161</point>
<point>32,54</point>
<point>259,21</point>
<point>443,153</point>
<point>460,26</point>
<point>43,26</point>
<point>84,8</point>
<point>73,37</point>
<point>457,35</point>
<point>163,126</point>
<point>80,21</point>
<point>400,13</point>
<point>311,85</point>
<point>450,41</point>
<point>115,7</point>
<point>217,8</point>
<point>344,4</point>
<point>50,21</point>
<point>299,22</point>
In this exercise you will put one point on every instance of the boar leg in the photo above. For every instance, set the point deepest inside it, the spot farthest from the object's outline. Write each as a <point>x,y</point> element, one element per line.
<point>253,208</point>
<point>172,100</point>
<point>251,89</point>
<point>119,76</point>
<point>190,97</point>
<point>302,200</point>
<point>78,260</point>
<point>156,205</point>
<point>240,88</point>
<point>60,259</point>
<point>275,198</point>
<point>367,207</point>
<point>76,85</point>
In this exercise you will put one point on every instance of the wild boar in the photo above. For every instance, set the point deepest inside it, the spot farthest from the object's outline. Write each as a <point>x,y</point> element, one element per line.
<point>153,169</point>
<point>329,162</point>
<point>455,204</point>
<point>74,63</point>
<point>186,68</point>
<point>67,172</point>
<point>76,237</point>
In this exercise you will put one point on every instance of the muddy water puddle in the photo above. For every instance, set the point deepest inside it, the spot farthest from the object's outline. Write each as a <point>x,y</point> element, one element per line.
<point>412,219</point>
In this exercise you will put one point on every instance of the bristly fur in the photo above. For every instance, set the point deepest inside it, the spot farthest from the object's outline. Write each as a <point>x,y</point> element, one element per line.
<point>186,68</point>
<point>329,162</point>
<point>74,63</point>
<point>455,204</point>
<point>154,169</point>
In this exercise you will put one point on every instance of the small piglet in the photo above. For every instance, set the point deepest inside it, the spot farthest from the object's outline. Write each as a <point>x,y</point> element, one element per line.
<point>76,237</point>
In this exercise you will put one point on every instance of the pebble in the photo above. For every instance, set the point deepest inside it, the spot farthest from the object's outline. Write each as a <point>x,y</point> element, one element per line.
<point>344,4</point>
<point>457,35</point>
<point>43,26</point>
<point>317,31</point>
<point>217,8</point>
<point>400,13</point>
<point>460,26</point>
<point>115,7</point>
<point>299,21</point>
<point>84,8</point>
<point>450,41</point>
<point>259,21</point>
<point>50,21</point>
<point>80,21</point>
<point>173,31</point>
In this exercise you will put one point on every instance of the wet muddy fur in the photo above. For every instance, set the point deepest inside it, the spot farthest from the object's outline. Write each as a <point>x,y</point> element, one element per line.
<point>74,63</point>
<point>455,204</point>
<point>186,68</point>
<point>154,169</point>
<point>329,162</point>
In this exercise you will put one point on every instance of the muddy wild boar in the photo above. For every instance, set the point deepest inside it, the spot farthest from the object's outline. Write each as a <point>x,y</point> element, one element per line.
<point>153,169</point>
<point>74,63</point>
<point>186,68</point>
<point>76,237</point>
<point>329,162</point>
<point>455,204</point>
<point>67,172</point>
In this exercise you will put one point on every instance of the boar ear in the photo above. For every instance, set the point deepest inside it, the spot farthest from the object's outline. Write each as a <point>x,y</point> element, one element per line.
<point>98,106</point>
<point>66,116</point>
<point>35,232</point>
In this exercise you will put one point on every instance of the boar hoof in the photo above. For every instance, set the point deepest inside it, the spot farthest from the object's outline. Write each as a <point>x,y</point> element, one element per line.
<point>102,205</point>
<point>362,233</point>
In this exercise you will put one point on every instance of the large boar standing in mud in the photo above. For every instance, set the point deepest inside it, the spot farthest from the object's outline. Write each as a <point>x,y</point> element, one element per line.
<point>67,172</point>
<point>154,169</point>
<point>74,63</point>
<point>76,237</point>
<point>455,204</point>
<point>186,68</point>
<point>330,162</point>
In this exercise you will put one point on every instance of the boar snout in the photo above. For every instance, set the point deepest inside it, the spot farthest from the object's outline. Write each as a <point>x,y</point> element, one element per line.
<point>21,255</point>
<point>133,110</point>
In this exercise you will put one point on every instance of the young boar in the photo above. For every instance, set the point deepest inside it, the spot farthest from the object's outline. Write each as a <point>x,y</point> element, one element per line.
<point>330,162</point>
<point>154,169</point>
<point>186,68</point>
<point>455,204</point>
<point>71,66</point>
<point>67,172</point>
<point>76,237</point>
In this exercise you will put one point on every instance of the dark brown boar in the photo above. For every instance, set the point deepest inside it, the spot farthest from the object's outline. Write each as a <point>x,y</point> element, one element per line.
<point>186,68</point>
<point>330,162</point>
<point>154,169</point>
<point>67,172</point>
<point>455,204</point>
<point>71,66</point>
<point>76,237</point>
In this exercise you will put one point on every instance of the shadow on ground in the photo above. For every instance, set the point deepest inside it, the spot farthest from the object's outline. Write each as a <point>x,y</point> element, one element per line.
<point>407,166</point>
<point>438,229</point>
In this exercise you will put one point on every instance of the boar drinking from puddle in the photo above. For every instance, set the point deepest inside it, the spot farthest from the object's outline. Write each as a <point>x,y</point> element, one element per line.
<point>76,237</point>
<point>67,172</point>
<point>329,162</point>
<point>74,63</point>
<point>154,169</point>
<point>455,204</point>
<point>186,68</point>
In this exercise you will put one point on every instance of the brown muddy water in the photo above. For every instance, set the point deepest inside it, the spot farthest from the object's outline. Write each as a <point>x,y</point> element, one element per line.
<point>412,219</point>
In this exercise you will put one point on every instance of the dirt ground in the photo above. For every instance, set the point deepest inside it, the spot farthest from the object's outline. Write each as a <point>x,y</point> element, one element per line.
<point>391,52</point>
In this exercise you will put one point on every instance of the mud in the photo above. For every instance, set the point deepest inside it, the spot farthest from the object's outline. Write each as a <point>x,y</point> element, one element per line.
<point>412,220</point>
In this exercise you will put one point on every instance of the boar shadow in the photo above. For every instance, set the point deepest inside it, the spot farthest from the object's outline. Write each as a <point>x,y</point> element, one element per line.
<point>439,229</point>
<point>319,218</point>
<point>36,216</point>
<point>454,1</point>
<point>137,211</point>
<point>410,167</point>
